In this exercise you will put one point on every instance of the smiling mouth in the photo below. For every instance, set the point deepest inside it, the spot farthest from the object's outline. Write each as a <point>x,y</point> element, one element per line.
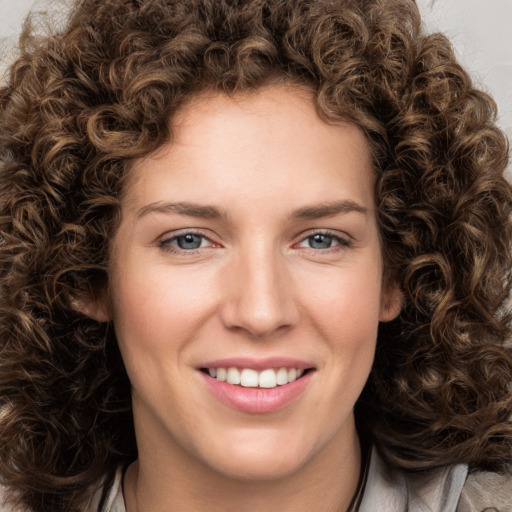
<point>249,378</point>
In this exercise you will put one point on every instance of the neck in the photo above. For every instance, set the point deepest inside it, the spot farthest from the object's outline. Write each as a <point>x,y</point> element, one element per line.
<point>178,481</point>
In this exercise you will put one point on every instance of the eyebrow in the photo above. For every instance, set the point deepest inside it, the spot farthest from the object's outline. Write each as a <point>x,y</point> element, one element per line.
<point>328,210</point>
<point>212,212</point>
<point>183,208</point>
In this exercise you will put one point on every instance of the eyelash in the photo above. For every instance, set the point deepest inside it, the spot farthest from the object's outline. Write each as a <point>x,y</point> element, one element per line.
<point>342,243</point>
<point>165,244</point>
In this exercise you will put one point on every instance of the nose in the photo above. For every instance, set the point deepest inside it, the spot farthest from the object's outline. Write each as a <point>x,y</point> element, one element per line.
<point>259,295</point>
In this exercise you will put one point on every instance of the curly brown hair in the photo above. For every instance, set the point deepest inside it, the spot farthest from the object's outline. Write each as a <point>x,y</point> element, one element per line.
<point>85,102</point>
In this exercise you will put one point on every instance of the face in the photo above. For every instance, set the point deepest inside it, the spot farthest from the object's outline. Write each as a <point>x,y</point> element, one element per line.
<point>249,251</point>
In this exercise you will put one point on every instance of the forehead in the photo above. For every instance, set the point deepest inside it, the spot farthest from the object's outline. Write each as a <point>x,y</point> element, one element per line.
<point>265,144</point>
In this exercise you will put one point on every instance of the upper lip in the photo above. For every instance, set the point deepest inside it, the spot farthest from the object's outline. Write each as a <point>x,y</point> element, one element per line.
<point>258,364</point>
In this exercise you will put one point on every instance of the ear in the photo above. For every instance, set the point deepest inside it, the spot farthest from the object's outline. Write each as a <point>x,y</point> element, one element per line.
<point>91,306</point>
<point>391,301</point>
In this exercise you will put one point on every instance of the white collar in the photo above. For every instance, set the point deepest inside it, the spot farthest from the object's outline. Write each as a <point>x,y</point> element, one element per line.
<point>389,490</point>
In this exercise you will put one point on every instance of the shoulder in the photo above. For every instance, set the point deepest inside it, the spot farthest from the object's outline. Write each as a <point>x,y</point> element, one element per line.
<point>486,491</point>
<point>392,490</point>
<point>447,489</point>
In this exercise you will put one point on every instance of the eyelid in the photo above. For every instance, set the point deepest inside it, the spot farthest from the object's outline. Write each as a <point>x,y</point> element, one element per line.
<point>164,241</point>
<point>343,239</point>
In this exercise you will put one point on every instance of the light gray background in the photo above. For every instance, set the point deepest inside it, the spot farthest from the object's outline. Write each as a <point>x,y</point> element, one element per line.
<point>480,30</point>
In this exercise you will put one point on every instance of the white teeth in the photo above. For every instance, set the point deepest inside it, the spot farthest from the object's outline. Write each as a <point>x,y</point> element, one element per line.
<point>233,376</point>
<point>250,378</point>
<point>267,379</point>
<point>282,376</point>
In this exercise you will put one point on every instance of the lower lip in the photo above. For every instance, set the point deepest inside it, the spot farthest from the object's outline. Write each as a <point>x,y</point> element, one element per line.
<point>257,400</point>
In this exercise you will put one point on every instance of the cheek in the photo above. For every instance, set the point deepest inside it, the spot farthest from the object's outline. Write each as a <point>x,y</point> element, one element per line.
<point>344,299</point>
<point>159,310</point>
<point>344,306</point>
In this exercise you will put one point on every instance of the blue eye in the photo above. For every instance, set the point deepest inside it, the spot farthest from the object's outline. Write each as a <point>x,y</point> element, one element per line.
<point>324,241</point>
<point>320,241</point>
<point>189,241</point>
<point>186,242</point>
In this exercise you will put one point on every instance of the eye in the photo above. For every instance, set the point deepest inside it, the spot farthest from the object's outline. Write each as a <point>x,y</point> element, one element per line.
<point>323,241</point>
<point>185,242</point>
<point>189,241</point>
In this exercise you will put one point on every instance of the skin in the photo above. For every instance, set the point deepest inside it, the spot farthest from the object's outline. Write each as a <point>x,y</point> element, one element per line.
<point>254,288</point>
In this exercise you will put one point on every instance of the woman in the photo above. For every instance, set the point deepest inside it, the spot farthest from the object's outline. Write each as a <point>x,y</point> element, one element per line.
<point>255,256</point>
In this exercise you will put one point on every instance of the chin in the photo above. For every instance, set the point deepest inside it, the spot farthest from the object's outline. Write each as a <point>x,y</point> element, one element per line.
<point>251,469</point>
<point>258,459</point>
